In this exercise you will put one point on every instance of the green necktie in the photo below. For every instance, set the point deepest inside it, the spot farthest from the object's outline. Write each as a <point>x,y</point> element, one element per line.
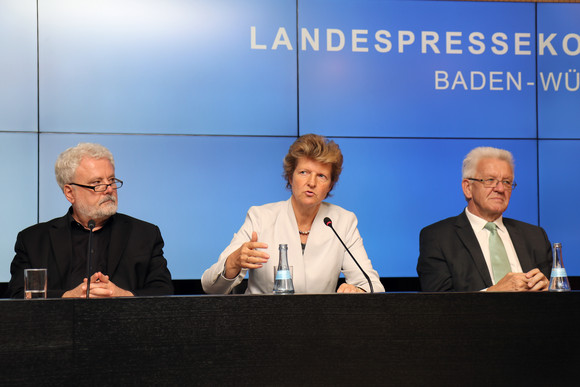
<point>500,263</point>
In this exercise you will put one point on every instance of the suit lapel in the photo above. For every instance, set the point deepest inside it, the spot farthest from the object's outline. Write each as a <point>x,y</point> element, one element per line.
<point>120,230</point>
<point>519,242</point>
<point>61,241</point>
<point>468,238</point>
<point>289,226</point>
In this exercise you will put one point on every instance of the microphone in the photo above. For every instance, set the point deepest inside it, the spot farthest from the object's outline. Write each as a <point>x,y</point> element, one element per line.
<point>90,225</point>
<point>328,222</point>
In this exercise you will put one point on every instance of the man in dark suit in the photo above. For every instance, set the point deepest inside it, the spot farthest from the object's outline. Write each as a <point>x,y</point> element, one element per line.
<point>479,249</point>
<point>127,253</point>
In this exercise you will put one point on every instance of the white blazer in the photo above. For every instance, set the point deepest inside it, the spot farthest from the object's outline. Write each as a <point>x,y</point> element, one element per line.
<point>315,271</point>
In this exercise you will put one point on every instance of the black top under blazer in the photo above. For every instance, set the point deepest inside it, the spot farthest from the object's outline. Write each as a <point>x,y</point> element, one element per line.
<point>135,257</point>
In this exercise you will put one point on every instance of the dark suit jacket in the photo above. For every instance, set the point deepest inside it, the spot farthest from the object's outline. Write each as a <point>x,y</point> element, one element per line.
<point>450,258</point>
<point>135,259</point>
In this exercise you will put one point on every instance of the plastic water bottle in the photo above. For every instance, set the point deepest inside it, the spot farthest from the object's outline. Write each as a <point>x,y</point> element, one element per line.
<point>558,278</point>
<point>283,280</point>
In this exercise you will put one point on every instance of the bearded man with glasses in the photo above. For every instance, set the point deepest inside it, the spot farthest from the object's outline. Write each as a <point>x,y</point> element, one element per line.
<point>480,249</point>
<point>127,253</point>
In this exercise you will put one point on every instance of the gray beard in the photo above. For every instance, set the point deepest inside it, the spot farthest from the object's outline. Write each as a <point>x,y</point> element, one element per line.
<point>100,211</point>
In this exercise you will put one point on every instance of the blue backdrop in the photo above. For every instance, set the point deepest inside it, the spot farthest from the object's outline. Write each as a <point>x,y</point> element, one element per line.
<point>199,101</point>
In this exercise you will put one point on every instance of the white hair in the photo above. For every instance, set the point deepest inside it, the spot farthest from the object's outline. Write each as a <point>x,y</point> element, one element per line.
<point>472,159</point>
<point>68,161</point>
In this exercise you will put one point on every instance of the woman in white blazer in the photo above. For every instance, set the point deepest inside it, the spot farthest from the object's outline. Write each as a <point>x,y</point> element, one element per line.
<point>311,168</point>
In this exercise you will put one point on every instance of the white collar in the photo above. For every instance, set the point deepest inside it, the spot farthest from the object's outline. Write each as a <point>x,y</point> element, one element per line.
<point>478,223</point>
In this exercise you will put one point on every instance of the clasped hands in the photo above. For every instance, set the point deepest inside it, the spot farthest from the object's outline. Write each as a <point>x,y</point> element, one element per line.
<point>532,281</point>
<point>101,287</point>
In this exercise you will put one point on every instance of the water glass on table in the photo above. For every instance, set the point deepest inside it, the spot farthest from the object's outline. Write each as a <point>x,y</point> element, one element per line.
<point>34,283</point>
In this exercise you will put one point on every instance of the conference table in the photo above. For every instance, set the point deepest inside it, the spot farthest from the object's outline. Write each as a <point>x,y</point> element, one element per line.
<point>400,339</point>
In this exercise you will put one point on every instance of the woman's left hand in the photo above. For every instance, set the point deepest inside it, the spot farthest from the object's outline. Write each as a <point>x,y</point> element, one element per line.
<point>348,288</point>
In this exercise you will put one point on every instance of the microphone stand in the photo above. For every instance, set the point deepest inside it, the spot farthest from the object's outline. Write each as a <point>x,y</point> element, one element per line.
<point>328,222</point>
<point>91,225</point>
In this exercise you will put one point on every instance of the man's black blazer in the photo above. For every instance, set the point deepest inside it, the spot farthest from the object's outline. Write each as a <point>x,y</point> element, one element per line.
<point>135,259</point>
<point>450,258</point>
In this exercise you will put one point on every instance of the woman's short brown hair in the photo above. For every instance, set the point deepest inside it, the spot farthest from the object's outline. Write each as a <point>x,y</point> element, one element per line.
<point>317,148</point>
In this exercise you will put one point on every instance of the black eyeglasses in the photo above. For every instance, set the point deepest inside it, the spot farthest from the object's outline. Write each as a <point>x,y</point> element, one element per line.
<point>492,183</point>
<point>102,187</point>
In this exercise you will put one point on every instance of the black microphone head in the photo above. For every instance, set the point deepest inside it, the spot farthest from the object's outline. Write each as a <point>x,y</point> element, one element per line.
<point>328,222</point>
<point>91,224</point>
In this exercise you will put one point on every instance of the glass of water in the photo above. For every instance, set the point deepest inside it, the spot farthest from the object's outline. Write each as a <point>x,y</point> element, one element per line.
<point>34,283</point>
